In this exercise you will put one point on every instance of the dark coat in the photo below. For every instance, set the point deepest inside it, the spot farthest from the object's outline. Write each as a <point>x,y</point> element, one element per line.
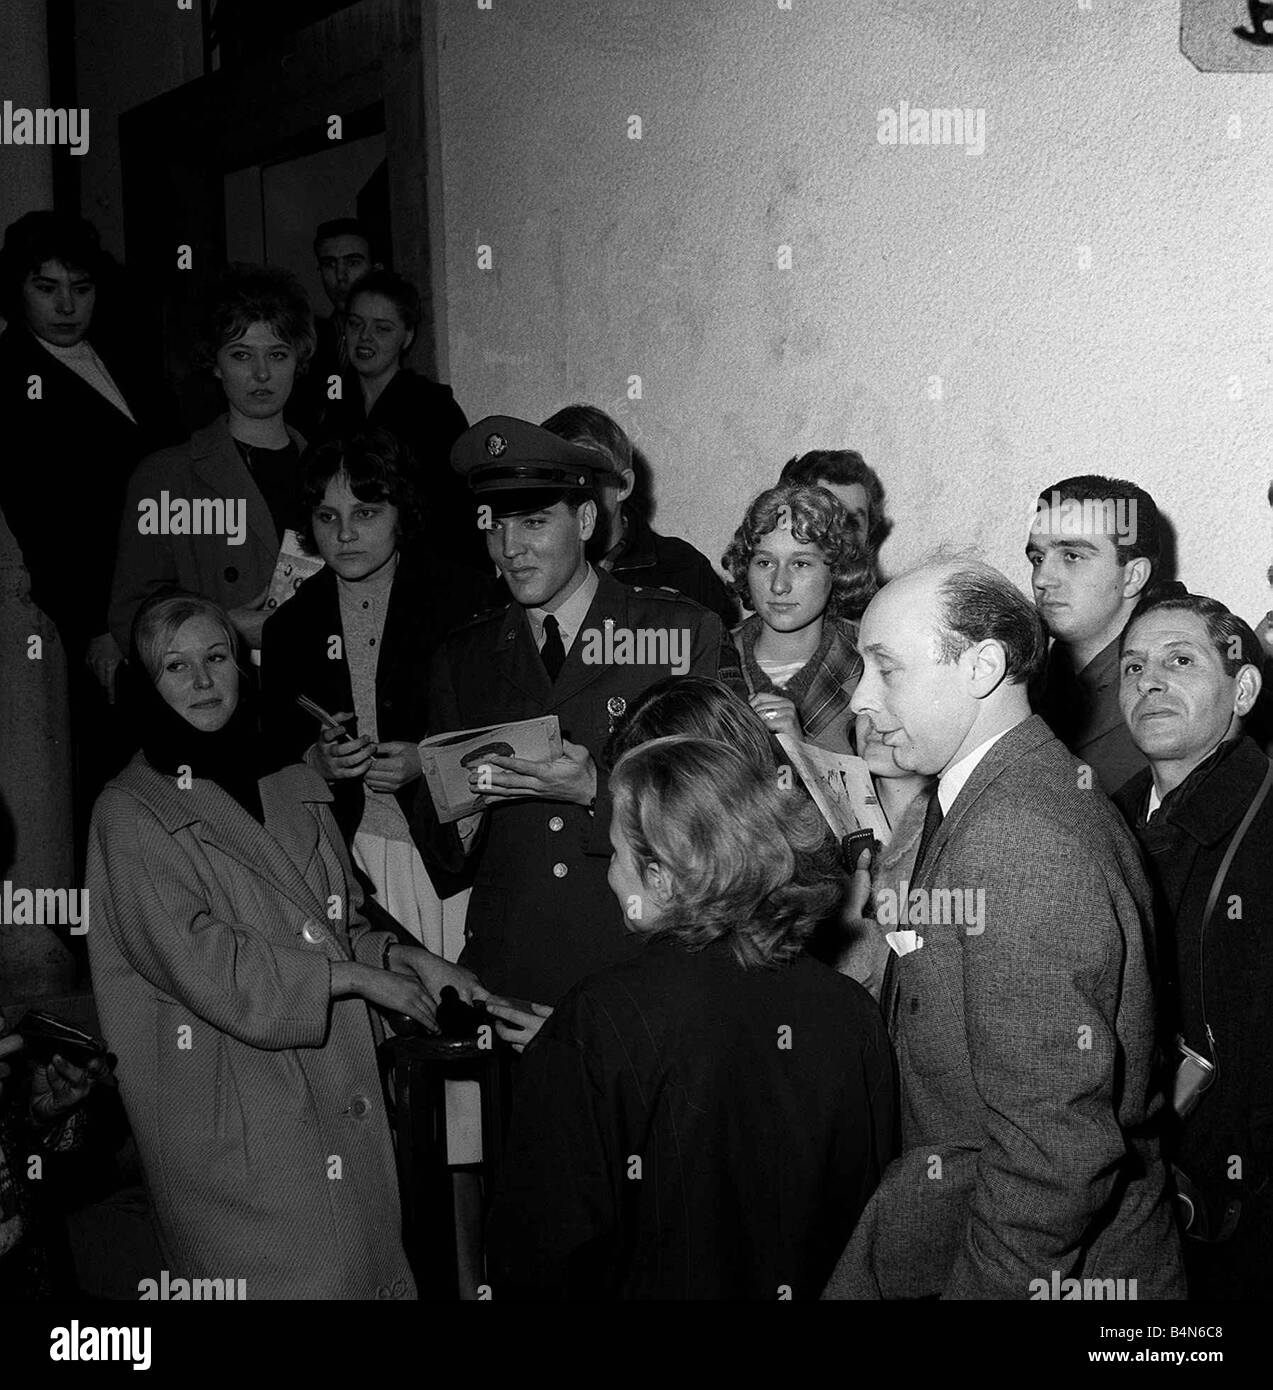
<point>1184,845</point>
<point>212,943</point>
<point>1029,1040</point>
<point>666,1144</point>
<point>207,465</point>
<point>426,418</point>
<point>426,602</point>
<point>68,458</point>
<point>542,915</point>
<point>667,562</point>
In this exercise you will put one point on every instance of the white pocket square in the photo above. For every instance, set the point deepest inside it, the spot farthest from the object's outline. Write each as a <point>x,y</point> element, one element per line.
<point>904,942</point>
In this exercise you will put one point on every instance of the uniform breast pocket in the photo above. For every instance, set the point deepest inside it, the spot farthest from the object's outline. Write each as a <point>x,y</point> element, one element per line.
<point>930,1021</point>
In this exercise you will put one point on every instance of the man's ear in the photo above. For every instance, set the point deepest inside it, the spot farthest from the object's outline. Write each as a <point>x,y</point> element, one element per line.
<point>987,667</point>
<point>628,476</point>
<point>1247,690</point>
<point>1135,576</point>
<point>587,519</point>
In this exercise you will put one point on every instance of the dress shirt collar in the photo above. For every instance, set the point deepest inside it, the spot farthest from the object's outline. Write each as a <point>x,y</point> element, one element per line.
<point>952,781</point>
<point>569,616</point>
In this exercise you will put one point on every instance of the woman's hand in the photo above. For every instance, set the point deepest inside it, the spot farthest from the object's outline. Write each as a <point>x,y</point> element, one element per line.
<point>393,765</point>
<point>853,910</point>
<point>249,618</point>
<point>435,974</point>
<point>400,994</point>
<point>517,1027</point>
<point>779,713</point>
<point>338,756</point>
<point>102,658</point>
<point>59,1087</point>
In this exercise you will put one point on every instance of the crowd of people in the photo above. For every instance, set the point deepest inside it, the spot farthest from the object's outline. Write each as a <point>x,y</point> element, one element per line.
<point>1015,1036</point>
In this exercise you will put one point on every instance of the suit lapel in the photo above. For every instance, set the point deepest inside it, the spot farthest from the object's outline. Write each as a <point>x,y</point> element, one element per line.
<point>517,659</point>
<point>216,461</point>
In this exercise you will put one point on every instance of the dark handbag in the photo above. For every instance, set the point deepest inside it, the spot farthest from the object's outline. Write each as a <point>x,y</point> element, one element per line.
<point>1198,1220</point>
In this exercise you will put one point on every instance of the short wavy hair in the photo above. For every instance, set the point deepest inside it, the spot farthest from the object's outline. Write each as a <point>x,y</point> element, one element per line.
<point>38,237</point>
<point>400,292</point>
<point>162,616</point>
<point>697,707</point>
<point>844,468</point>
<point>380,468</point>
<point>749,861</point>
<point>817,518</point>
<point>247,294</point>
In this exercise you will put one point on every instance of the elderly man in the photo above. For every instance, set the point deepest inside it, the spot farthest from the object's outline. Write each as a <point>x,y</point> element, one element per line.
<point>1020,1001</point>
<point>1202,812</point>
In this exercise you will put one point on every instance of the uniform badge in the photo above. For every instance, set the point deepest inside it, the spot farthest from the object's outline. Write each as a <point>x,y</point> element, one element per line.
<point>616,706</point>
<point>496,445</point>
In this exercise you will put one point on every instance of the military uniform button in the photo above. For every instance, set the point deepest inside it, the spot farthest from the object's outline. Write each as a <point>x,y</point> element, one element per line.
<point>359,1106</point>
<point>399,1288</point>
<point>556,823</point>
<point>560,870</point>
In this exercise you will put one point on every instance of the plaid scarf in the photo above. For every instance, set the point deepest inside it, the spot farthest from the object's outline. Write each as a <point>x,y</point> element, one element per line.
<point>824,685</point>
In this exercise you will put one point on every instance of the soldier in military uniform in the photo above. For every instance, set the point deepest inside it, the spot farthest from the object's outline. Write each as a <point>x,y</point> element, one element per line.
<point>541,914</point>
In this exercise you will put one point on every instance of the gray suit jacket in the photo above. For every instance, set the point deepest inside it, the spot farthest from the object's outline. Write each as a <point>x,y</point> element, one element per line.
<point>1025,1046</point>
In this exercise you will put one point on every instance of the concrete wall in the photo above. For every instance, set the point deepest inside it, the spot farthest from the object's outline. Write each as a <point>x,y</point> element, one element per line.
<point>1093,292</point>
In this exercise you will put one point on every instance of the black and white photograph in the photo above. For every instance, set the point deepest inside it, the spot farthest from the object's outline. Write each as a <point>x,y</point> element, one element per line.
<point>632,670</point>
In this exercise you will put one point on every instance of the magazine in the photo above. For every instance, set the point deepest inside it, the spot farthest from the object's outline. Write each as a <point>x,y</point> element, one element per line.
<point>447,759</point>
<point>292,568</point>
<point>840,786</point>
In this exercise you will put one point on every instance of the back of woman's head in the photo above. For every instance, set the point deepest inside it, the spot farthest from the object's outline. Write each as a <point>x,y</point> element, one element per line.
<point>696,706</point>
<point>747,859</point>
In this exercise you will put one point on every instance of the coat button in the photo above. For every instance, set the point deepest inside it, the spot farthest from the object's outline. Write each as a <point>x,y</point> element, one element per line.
<point>359,1106</point>
<point>383,1291</point>
<point>312,933</point>
<point>556,823</point>
<point>231,574</point>
<point>399,1288</point>
<point>560,871</point>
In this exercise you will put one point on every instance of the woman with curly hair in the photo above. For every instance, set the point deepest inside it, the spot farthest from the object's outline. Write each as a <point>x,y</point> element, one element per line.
<point>797,563</point>
<point>708,1118</point>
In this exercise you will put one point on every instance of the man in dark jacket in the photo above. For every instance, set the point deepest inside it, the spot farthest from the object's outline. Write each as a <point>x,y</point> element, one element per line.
<point>1190,676</point>
<point>624,543</point>
<point>541,915</point>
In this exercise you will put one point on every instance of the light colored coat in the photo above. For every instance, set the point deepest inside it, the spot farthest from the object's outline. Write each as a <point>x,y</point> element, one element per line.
<point>254,1097</point>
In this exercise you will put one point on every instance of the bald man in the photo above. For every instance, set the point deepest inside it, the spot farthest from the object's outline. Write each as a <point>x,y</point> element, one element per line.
<point>1020,1006</point>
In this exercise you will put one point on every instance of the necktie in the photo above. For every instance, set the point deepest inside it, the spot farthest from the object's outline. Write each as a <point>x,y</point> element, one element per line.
<point>552,652</point>
<point>932,819</point>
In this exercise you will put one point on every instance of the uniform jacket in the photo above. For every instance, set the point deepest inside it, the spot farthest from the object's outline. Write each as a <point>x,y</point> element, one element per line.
<point>1184,844</point>
<point>68,457</point>
<point>755,1158</point>
<point>541,915</point>
<point>211,946</point>
<point>1082,711</point>
<point>426,601</point>
<point>1031,1042</point>
<point>207,465</point>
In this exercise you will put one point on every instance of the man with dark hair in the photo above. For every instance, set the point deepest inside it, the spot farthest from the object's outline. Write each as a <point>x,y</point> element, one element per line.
<point>573,643</point>
<point>846,475</point>
<point>1093,548</point>
<point>343,250</point>
<point>624,543</point>
<point>1191,675</point>
<point>1019,996</point>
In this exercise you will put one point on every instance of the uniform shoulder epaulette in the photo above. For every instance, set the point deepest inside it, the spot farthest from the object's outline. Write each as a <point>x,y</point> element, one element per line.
<point>668,595</point>
<point>478,619</point>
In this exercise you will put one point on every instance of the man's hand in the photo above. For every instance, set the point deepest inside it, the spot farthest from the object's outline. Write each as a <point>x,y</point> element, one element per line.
<point>434,973</point>
<point>779,714</point>
<point>853,910</point>
<point>59,1087</point>
<point>102,658</point>
<point>249,618</point>
<point>393,765</point>
<point>572,777</point>
<point>518,1026</point>
<point>337,756</point>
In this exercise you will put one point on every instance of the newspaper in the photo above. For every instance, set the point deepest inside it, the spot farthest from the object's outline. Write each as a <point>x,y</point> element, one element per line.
<point>447,759</point>
<point>292,568</point>
<point>841,788</point>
